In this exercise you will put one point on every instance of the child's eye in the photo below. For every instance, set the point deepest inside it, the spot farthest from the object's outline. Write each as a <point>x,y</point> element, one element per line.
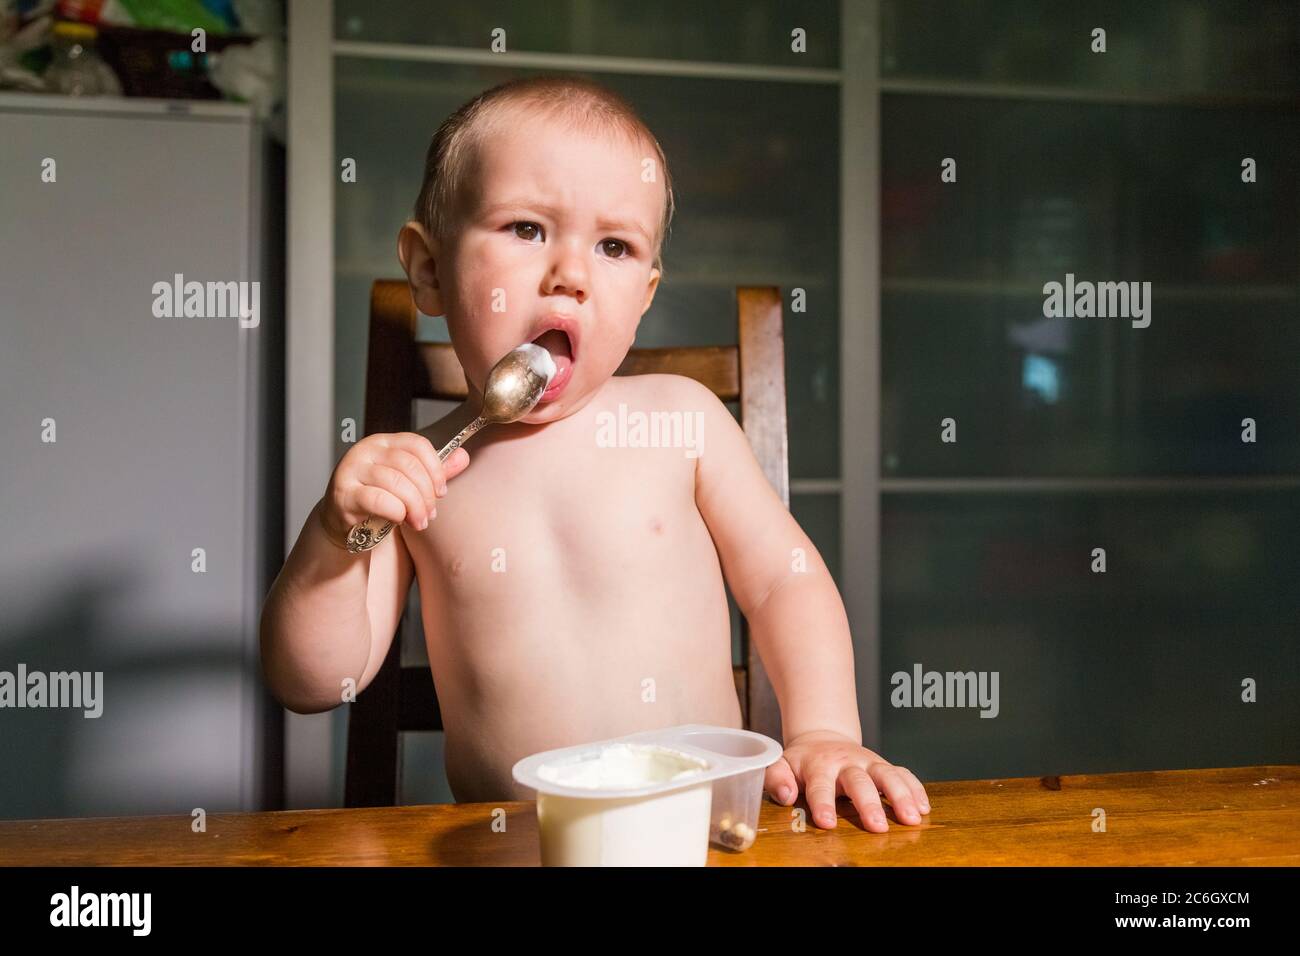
<point>618,243</point>
<point>525,225</point>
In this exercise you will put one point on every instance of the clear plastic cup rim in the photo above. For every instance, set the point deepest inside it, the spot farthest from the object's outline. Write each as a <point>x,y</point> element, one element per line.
<point>672,739</point>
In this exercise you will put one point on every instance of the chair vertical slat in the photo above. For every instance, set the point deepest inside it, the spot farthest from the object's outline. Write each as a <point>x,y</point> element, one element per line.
<point>390,361</point>
<point>741,679</point>
<point>374,763</point>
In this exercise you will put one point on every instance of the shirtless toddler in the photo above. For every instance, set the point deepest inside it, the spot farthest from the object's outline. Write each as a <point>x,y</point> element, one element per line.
<point>560,572</point>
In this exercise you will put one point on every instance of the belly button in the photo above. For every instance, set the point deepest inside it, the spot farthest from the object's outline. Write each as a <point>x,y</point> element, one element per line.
<point>656,526</point>
<point>457,566</point>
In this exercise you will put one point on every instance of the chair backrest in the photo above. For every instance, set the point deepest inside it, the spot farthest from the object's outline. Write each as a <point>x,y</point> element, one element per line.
<point>399,370</point>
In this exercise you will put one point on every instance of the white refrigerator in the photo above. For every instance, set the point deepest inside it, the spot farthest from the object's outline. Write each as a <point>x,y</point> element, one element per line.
<point>142,467</point>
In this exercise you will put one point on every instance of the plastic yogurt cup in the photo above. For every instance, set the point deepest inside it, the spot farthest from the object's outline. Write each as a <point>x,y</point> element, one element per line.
<point>656,798</point>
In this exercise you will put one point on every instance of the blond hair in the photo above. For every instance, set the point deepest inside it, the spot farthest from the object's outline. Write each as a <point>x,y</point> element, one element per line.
<point>575,100</point>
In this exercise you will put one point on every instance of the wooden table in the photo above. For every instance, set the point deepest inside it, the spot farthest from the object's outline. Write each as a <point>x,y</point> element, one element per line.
<point>1244,816</point>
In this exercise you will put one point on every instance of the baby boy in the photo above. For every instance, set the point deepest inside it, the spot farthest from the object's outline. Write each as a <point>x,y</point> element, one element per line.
<point>560,575</point>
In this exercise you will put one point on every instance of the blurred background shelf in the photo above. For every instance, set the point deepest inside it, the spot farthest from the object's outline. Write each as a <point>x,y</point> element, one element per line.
<point>921,86</point>
<point>1071,486</point>
<point>516,59</point>
<point>1018,288</point>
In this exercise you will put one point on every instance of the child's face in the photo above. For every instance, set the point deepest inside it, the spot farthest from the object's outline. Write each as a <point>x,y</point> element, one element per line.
<point>558,223</point>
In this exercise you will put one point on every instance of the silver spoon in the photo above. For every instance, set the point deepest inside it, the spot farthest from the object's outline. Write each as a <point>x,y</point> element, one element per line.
<point>513,389</point>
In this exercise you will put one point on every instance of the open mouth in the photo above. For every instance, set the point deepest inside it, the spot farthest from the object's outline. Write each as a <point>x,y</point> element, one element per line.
<point>558,344</point>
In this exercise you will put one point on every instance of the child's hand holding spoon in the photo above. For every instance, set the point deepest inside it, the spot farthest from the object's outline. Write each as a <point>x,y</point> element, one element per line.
<point>386,479</point>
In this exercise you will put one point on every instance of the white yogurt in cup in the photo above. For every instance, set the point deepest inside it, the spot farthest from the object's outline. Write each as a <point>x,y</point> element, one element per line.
<point>608,826</point>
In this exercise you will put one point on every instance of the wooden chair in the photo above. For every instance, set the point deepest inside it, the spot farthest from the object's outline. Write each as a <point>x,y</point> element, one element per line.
<point>400,370</point>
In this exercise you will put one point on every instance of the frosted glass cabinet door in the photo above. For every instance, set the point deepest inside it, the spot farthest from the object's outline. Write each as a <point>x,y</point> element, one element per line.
<point>1105,192</point>
<point>1087,439</point>
<point>1137,668</point>
<point>754,32</point>
<point>1185,46</point>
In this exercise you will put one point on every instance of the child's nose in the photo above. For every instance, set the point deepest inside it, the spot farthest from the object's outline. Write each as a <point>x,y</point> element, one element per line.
<point>568,276</point>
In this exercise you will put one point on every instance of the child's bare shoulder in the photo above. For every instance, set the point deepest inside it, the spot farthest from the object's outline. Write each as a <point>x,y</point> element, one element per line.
<point>663,390</point>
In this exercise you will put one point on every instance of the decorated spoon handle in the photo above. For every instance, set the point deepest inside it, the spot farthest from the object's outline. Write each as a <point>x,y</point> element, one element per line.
<point>465,434</point>
<point>366,534</point>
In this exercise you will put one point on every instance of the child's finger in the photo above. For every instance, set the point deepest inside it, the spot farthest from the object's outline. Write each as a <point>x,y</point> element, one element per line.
<point>918,791</point>
<point>413,468</point>
<point>456,462</point>
<point>382,504</point>
<point>431,468</point>
<point>861,789</point>
<point>898,790</point>
<point>819,790</point>
<point>781,782</point>
<point>394,481</point>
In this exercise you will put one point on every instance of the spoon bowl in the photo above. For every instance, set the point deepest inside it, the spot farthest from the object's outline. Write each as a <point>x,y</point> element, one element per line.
<point>516,383</point>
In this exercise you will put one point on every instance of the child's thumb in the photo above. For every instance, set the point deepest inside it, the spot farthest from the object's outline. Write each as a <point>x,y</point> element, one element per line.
<point>456,462</point>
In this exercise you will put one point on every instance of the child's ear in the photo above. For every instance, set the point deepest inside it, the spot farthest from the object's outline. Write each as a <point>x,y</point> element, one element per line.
<point>419,256</point>
<point>650,290</point>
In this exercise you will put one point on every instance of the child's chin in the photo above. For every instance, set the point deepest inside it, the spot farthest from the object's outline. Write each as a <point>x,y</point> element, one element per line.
<point>548,412</point>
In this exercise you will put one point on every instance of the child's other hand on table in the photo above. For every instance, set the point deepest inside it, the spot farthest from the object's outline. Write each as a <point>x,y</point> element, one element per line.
<point>827,764</point>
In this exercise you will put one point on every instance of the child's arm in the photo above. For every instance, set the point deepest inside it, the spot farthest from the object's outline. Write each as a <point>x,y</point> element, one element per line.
<point>798,623</point>
<point>777,576</point>
<point>331,614</point>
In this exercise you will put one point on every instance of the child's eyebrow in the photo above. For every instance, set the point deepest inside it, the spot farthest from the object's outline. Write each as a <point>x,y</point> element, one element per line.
<point>624,225</point>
